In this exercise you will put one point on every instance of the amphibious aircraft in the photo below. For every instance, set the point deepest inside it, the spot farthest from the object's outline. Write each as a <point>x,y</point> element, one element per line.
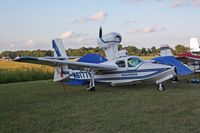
<point>118,69</point>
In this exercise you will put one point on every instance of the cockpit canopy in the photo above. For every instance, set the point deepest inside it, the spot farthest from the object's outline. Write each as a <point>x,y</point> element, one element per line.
<point>129,62</point>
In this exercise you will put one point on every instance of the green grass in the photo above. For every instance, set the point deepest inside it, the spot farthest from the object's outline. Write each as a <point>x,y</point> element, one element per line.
<point>44,106</point>
<point>23,74</point>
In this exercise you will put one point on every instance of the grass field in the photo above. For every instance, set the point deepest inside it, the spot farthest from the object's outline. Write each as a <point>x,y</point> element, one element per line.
<point>11,71</point>
<point>44,106</point>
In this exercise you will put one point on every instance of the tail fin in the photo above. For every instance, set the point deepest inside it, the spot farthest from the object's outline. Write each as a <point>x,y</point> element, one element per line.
<point>61,71</point>
<point>165,50</point>
<point>59,50</point>
<point>194,46</point>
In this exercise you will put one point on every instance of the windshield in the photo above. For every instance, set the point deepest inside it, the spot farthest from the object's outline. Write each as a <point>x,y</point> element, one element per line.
<point>133,62</point>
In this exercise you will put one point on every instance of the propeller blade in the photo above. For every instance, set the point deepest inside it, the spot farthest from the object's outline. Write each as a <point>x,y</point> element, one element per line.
<point>100,32</point>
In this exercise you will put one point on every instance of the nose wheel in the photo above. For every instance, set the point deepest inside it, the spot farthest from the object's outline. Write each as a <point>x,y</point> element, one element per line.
<point>161,87</point>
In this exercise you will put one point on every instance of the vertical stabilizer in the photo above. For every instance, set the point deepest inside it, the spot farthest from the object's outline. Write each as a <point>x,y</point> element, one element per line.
<point>61,71</point>
<point>59,50</point>
<point>194,45</point>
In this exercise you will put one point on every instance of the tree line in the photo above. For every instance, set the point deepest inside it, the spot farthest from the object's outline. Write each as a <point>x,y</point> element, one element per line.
<point>132,50</point>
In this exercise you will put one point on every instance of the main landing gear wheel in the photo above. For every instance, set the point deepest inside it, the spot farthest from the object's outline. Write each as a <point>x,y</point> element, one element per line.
<point>174,79</point>
<point>161,87</point>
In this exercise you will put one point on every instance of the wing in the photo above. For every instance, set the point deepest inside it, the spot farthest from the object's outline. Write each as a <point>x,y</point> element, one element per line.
<point>187,60</point>
<point>61,58</point>
<point>171,60</point>
<point>56,62</point>
<point>193,58</point>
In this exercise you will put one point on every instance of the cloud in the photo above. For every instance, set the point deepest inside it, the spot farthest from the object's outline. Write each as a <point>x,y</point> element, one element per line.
<point>179,3</point>
<point>66,34</point>
<point>97,17</point>
<point>70,35</point>
<point>127,22</point>
<point>77,40</point>
<point>172,3</point>
<point>196,3</point>
<point>86,41</point>
<point>30,43</point>
<point>151,29</point>
<point>12,45</point>
<point>155,28</point>
<point>185,3</point>
<point>131,1</point>
<point>81,41</point>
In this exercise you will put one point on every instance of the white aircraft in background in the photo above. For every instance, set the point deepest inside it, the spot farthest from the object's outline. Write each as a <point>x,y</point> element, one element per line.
<point>119,69</point>
<point>194,48</point>
<point>194,45</point>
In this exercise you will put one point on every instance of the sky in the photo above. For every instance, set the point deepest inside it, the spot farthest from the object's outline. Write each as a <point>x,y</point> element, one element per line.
<point>32,24</point>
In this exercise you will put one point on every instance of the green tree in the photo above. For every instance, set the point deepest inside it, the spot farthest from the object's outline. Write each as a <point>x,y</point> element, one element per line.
<point>143,51</point>
<point>181,49</point>
<point>9,54</point>
<point>154,50</point>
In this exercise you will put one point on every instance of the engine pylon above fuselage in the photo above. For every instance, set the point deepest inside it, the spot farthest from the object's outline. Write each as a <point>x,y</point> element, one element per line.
<point>109,43</point>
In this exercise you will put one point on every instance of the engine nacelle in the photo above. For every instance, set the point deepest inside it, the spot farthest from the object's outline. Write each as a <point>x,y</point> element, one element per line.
<point>109,39</point>
<point>109,43</point>
<point>112,37</point>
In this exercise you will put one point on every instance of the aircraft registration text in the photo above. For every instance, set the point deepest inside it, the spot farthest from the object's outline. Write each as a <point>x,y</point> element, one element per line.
<point>81,75</point>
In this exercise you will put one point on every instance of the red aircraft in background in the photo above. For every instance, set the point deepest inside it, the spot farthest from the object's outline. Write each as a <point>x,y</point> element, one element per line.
<point>191,59</point>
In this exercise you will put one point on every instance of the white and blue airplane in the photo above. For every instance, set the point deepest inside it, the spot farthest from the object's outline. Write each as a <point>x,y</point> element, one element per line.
<point>119,69</point>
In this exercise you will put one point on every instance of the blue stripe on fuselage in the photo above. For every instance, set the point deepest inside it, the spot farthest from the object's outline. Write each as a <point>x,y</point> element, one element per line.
<point>128,71</point>
<point>136,77</point>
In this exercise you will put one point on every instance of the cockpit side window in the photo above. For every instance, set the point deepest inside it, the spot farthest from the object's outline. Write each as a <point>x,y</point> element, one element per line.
<point>121,63</point>
<point>133,62</point>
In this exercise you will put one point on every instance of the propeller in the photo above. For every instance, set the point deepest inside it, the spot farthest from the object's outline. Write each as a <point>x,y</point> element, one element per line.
<point>100,32</point>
